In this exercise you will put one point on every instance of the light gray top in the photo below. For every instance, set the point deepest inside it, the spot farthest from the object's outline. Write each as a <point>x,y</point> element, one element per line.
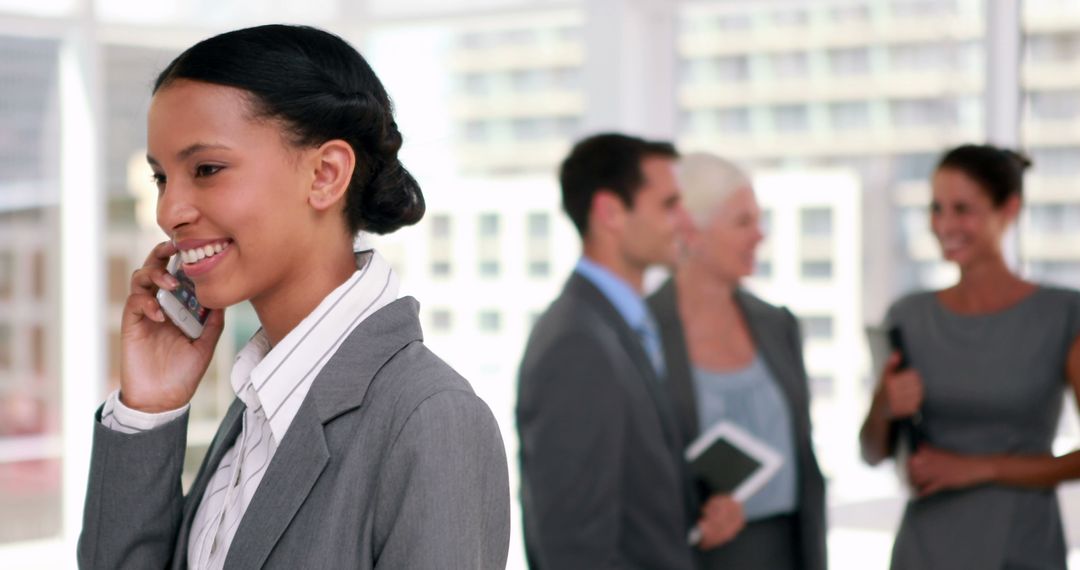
<point>993,384</point>
<point>750,398</point>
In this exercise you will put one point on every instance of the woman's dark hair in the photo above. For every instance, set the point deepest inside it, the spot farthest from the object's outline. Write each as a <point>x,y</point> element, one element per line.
<point>999,171</point>
<point>320,89</point>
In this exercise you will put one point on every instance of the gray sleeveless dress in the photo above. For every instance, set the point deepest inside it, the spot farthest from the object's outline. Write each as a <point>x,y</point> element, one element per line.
<point>993,384</point>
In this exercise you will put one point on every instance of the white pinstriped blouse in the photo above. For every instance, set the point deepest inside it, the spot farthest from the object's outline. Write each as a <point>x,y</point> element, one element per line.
<point>272,383</point>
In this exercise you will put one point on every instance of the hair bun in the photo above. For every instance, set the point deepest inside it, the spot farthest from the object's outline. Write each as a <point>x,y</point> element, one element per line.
<point>1021,158</point>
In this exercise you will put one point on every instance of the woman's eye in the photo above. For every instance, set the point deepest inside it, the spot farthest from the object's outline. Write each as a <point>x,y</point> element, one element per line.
<point>203,170</point>
<point>159,179</point>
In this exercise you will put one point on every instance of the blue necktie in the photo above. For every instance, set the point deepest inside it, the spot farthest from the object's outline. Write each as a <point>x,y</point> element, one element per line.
<point>650,340</point>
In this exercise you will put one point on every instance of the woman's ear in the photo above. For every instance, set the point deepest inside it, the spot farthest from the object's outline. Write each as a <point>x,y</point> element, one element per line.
<point>333,165</point>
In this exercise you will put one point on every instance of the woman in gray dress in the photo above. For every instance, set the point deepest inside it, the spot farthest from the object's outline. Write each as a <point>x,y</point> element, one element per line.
<point>990,358</point>
<point>733,357</point>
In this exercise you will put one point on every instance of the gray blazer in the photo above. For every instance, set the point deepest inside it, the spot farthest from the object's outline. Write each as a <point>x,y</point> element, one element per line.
<point>602,482</point>
<point>391,462</point>
<point>776,336</point>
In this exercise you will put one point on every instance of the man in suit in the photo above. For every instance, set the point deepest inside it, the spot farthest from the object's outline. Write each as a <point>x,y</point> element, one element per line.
<point>603,482</point>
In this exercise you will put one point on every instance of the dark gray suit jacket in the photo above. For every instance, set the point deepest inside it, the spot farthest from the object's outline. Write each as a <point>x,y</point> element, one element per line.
<point>391,462</point>
<point>602,480</point>
<point>776,336</point>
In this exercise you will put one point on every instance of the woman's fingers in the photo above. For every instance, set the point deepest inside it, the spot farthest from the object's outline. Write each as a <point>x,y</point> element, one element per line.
<point>142,305</point>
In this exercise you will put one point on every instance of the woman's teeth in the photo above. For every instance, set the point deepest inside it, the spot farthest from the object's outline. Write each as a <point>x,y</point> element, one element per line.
<point>199,253</point>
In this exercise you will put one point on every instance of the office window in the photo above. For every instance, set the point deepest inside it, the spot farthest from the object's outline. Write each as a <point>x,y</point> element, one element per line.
<point>441,246</point>
<point>1061,272</point>
<point>1054,105</point>
<point>822,385</point>
<point>791,118</point>
<point>849,115</point>
<point>1054,162</point>
<point>763,268</point>
<point>923,8</point>
<point>849,13</point>
<point>790,17</point>
<point>1063,47</point>
<point>442,320</point>
<point>816,269</point>
<point>765,222</point>
<point>1056,218</point>
<point>924,112</point>
<point>818,327</point>
<point>731,68</point>
<point>489,226</point>
<point>917,166</point>
<point>733,120</point>
<point>490,321</point>
<point>816,222</point>
<point>475,84</point>
<point>849,61</point>
<point>737,22</point>
<point>922,57</point>
<point>537,244</point>
<point>790,65</point>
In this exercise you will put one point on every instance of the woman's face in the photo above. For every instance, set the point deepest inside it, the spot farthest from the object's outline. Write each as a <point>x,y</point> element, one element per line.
<point>731,235</point>
<point>964,219</point>
<point>232,192</point>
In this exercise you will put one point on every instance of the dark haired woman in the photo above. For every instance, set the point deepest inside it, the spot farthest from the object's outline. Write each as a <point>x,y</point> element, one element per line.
<point>990,360</point>
<point>349,445</point>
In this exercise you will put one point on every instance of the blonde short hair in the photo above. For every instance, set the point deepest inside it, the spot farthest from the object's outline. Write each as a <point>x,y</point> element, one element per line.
<point>706,181</point>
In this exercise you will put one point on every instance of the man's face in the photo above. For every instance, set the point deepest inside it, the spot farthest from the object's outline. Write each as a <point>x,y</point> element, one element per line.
<point>656,222</point>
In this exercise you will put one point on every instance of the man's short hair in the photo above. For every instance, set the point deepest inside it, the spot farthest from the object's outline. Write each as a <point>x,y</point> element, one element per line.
<point>610,161</point>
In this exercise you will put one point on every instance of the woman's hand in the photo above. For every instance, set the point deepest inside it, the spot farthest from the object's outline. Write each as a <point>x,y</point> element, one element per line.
<point>160,367</point>
<point>721,520</point>
<point>931,470</point>
<point>902,389</point>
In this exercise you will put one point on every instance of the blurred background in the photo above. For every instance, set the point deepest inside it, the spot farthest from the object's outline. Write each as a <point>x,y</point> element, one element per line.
<point>838,107</point>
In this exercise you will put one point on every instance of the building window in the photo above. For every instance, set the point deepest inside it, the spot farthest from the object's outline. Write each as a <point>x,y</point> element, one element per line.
<point>734,120</point>
<point>849,115</point>
<point>816,222</point>
<point>490,321</point>
<point>819,327</point>
<point>442,320</point>
<point>822,385</point>
<point>849,61</point>
<point>763,269</point>
<point>441,245</point>
<point>918,166</point>
<point>731,68</point>
<point>1054,105</point>
<point>790,65</point>
<point>924,112</point>
<point>791,118</point>
<point>817,269</point>
<point>765,222</point>
<point>849,13</point>
<point>488,243</point>
<point>538,244</point>
<point>1054,218</point>
<point>1056,161</point>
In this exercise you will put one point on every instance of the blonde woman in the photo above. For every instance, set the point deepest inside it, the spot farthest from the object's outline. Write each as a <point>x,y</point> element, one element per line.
<point>733,357</point>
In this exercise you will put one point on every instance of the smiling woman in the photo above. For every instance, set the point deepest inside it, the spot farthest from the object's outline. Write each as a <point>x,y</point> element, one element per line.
<point>271,147</point>
<point>990,359</point>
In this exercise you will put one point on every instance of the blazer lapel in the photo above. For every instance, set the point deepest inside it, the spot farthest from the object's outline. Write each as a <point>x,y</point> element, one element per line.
<point>580,286</point>
<point>223,440</point>
<point>303,453</point>
<point>297,464</point>
<point>677,359</point>
<point>770,340</point>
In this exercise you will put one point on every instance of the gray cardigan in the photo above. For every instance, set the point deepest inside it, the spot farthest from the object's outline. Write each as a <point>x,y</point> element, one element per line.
<point>391,462</point>
<point>776,337</point>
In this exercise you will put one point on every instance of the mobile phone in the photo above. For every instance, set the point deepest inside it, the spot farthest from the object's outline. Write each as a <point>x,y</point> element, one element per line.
<point>181,305</point>
<point>910,430</point>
